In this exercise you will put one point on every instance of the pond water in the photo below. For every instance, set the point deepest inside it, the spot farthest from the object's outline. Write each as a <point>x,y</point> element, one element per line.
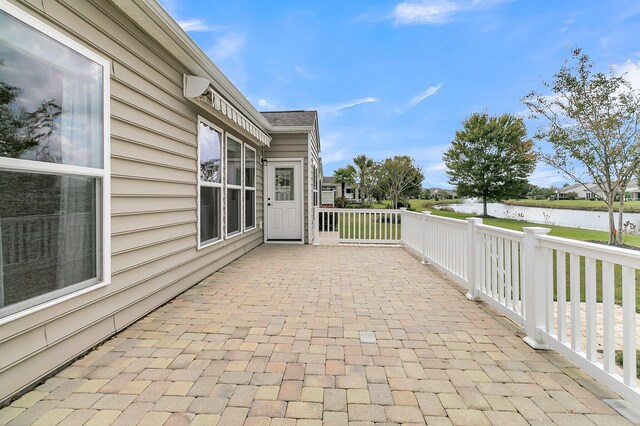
<point>562,217</point>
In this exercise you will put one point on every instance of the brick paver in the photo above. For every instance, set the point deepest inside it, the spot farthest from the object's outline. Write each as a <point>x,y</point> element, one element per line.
<point>295,335</point>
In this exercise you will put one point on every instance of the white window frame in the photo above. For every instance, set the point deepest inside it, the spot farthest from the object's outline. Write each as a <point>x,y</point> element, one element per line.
<point>103,190</point>
<point>250,188</point>
<point>208,243</point>
<point>239,187</point>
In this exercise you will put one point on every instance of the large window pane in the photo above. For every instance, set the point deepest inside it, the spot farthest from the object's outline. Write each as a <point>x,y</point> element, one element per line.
<point>233,211</point>
<point>51,95</point>
<point>210,209</point>
<point>249,168</point>
<point>210,143</point>
<point>249,208</point>
<point>48,229</point>
<point>234,162</point>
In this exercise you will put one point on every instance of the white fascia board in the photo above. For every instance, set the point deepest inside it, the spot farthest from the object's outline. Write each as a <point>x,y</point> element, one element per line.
<point>154,20</point>
<point>291,129</point>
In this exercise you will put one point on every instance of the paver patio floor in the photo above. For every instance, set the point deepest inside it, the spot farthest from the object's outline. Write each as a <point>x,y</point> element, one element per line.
<point>304,335</point>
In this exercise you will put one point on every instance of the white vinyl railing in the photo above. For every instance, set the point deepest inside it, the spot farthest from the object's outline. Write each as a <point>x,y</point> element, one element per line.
<point>562,291</point>
<point>356,226</point>
<point>328,198</point>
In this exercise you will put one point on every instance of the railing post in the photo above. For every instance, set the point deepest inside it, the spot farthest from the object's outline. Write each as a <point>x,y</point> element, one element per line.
<point>473,257</point>
<point>399,217</point>
<point>535,287</point>
<point>316,226</point>
<point>425,237</point>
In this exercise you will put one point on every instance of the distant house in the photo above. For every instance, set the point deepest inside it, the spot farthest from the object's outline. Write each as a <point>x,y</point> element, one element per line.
<point>443,194</point>
<point>633,190</point>
<point>351,192</point>
<point>591,191</point>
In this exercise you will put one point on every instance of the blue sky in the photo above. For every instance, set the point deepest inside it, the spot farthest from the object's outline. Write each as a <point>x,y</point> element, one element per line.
<point>391,77</point>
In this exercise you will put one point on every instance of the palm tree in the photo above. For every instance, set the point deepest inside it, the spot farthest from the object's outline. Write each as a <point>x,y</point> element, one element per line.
<point>345,176</point>
<point>364,164</point>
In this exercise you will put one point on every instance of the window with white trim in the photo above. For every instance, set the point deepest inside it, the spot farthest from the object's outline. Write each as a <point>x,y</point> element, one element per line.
<point>249,188</point>
<point>314,174</point>
<point>210,174</point>
<point>234,186</point>
<point>54,164</point>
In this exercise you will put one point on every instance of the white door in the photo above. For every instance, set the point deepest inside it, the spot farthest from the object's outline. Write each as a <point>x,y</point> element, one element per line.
<point>284,201</point>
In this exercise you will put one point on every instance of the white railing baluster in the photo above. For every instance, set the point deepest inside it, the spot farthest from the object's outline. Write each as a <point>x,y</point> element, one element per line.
<point>508,267</point>
<point>608,330</point>
<point>590,299</point>
<point>561,291</point>
<point>549,296</point>
<point>574,290</point>
<point>515,262</point>
<point>501,276</point>
<point>629,326</point>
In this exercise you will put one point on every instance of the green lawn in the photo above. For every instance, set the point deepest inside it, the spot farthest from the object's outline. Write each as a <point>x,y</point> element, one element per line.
<point>629,206</point>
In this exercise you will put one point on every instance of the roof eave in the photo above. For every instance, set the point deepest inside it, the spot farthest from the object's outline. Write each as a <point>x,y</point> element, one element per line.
<point>152,14</point>
<point>292,129</point>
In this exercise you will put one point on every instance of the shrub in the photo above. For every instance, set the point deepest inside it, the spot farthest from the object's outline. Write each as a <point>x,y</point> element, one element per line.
<point>340,202</point>
<point>571,195</point>
<point>402,204</point>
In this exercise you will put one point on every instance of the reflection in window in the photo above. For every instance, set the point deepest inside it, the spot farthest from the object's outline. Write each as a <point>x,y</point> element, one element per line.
<point>210,183</point>
<point>233,211</point>
<point>210,143</point>
<point>51,111</point>
<point>284,184</point>
<point>210,220</point>
<point>249,188</point>
<point>51,95</point>
<point>234,162</point>
<point>250,208</point>
<point>249,167</point>
<point>48,225</point>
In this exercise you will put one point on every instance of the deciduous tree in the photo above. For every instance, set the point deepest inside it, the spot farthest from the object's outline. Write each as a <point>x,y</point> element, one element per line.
<point>592,121</point>
<point>490,157</point>
<point>399,176</point>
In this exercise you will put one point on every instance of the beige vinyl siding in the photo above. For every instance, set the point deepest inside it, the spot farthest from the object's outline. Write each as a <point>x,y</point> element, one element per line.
<point>314,154</point>
<point>154,199</point>
<point>286,145</point>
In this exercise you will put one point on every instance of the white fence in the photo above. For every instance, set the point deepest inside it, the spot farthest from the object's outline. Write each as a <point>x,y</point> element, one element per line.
<point>356,226</point>
<point>328,198</point>
<point>525,276</point>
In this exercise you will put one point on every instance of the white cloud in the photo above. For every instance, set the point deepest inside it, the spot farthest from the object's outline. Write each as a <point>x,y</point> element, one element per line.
<point>228,45</point>
<point>197,25</point>
<point>436,11</point>
<point>631,72</point>
<point>430,91</point>
<point>263,103</point>
<point>546,176</point>
<point>330,151</point>
<point>345,105</point>
<point>302,72</point>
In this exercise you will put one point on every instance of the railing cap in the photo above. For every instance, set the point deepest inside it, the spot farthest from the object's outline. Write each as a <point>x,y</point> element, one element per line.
<point>475,220</point>
<point>537,230</point>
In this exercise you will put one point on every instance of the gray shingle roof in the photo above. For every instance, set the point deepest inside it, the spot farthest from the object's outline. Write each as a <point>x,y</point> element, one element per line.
<point>291,118</point>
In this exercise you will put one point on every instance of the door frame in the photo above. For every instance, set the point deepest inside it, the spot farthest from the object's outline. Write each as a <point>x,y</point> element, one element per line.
<point>265,194</point>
